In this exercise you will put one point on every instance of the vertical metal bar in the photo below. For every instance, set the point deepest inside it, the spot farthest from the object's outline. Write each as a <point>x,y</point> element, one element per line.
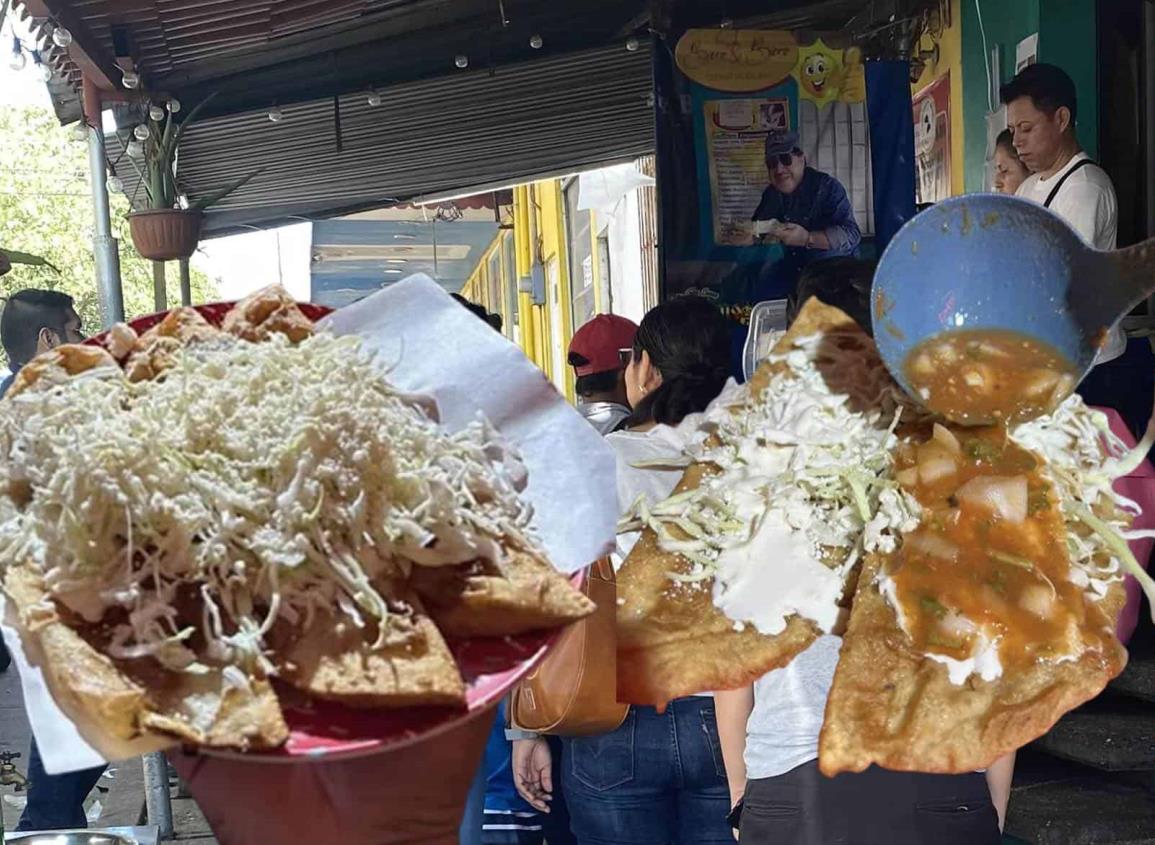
<point>157,798</point>
<point>186,279</point>
<point>104,245</point>
<point>159,293</point>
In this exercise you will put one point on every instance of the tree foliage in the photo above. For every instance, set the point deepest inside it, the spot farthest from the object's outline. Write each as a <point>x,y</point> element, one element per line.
<point>46,209</point>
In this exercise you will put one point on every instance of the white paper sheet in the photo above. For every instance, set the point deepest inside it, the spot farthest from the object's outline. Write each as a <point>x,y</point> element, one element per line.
<point>431,345</point>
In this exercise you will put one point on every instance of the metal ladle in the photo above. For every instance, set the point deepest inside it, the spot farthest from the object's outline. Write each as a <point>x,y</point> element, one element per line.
<point>989,261</point>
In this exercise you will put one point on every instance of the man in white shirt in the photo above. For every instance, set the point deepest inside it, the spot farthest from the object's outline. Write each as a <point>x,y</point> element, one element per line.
<point>1041,111</point>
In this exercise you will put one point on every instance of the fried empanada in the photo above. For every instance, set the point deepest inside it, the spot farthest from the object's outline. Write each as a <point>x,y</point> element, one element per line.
<point>156,350</point>
<point>335,660</point>
<point>894,707</point>
<point>131,698</point>
<point>57,365</point>
<point>268,311</point>
<point>481,599</point>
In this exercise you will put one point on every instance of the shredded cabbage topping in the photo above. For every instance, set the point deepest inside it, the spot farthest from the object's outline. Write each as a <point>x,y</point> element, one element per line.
<point>801,447</point>
<point>265,480</point>
<point>1083,457</point>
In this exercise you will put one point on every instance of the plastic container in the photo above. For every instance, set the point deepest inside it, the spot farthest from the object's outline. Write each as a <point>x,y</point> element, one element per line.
<point>767,322</point>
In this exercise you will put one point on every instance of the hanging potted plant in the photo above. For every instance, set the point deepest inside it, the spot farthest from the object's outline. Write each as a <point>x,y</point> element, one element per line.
<point>165,230</point>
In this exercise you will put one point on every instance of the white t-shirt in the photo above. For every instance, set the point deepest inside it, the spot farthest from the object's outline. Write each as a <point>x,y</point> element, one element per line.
<point>789,705</point>
<point>1087,202</point>
<point>658,443</point>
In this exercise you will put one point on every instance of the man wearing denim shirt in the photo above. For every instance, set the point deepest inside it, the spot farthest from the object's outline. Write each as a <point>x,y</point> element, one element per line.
<point>812,214</point>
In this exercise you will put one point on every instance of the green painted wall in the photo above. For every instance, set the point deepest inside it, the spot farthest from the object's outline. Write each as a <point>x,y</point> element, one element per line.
<point>1006,22</point>
<point>1066,37</point>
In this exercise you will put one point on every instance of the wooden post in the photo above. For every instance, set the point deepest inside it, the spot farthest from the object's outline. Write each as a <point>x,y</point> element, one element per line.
<point>185,283</point>
<point>159,294</point>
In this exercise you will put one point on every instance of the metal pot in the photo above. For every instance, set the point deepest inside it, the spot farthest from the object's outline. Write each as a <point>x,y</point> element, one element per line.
<point>73,837</point>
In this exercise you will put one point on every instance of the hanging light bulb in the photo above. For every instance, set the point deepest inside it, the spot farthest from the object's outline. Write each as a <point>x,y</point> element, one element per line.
<point>276,115</point>
<point>17,62</point>
<point>156,112</point>
<point>115,185</point>
<point>142,132</point>
<point>461,60</point>
<point>632,45</point>
<point>173,105</point>
<point>725,23</point>
<point>42,70</point>
<point>80,133</point>
<point>374,99</point>
<point>61,37</point>
<point>535,41</point>
<point>134,149</point>
<point>131,79</point>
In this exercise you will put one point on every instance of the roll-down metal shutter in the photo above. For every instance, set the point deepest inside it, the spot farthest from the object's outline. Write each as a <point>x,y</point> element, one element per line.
<point>435,136</point>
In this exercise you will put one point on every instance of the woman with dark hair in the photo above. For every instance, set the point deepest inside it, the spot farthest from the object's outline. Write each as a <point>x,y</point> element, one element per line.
<point>1010,172</point>
<point>660,776</point>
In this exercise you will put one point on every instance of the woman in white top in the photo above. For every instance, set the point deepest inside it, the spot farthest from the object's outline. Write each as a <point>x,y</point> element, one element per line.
<point>769,731</point>
<point>658,779</point>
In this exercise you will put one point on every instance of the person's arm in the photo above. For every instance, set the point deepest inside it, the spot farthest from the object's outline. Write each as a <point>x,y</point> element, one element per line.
<point>532,764</point>
<point>733,708</point>
<point>841,234</point>
<point>999,777</point>
<point>839,230</point>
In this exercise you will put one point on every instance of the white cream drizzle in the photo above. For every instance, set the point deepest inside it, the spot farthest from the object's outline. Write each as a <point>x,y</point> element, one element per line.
<point>803,475</point>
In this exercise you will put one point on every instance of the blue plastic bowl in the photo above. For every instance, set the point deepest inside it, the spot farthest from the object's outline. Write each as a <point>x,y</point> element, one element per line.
<point>988,261</point>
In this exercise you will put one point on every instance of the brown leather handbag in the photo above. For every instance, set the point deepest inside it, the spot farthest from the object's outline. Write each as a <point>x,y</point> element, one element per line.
<point>573,691</point>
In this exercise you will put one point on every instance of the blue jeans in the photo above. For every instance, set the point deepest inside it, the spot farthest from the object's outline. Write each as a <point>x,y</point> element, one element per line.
<point>56,802</point>
<point>656,780</point>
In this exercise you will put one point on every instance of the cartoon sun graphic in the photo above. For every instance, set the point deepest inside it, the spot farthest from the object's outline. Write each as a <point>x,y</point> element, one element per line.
<point>820,71</point>
<point>816,72</point>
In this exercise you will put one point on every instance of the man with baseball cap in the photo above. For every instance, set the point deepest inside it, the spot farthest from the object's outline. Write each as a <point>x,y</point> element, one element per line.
<point>805,210</point>
<point>599,353</point>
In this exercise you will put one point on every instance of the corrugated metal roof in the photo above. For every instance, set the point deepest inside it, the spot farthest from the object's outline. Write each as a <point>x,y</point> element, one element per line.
<point>436,136</point>
<point>169,34</point>
<point>254,52</point>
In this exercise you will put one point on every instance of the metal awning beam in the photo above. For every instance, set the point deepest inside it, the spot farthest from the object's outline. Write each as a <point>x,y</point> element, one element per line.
<point>85,51</point>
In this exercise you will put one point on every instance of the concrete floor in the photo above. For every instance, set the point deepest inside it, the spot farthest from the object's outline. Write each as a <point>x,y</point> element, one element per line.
<point>119,796</point>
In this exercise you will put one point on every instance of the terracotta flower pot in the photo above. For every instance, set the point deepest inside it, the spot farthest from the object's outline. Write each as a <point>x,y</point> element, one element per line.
<point>165,234</point>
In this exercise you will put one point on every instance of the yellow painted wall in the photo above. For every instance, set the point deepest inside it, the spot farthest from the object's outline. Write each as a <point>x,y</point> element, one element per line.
<point>539,337</point>
<point>949,59</point>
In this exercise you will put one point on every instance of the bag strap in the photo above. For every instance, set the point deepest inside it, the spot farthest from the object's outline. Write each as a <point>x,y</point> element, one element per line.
<point>1055,190</point>
<point>604,569</point>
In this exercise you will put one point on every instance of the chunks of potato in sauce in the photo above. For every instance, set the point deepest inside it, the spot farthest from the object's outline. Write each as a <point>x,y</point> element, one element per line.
<point>989,554</point>
<point>978,377</point>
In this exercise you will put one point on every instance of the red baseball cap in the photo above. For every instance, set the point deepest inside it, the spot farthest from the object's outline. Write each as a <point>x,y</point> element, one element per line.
<point>600,342</point>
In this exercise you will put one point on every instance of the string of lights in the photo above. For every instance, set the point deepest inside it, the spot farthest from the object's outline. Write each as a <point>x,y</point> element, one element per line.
<point>22,53</point>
